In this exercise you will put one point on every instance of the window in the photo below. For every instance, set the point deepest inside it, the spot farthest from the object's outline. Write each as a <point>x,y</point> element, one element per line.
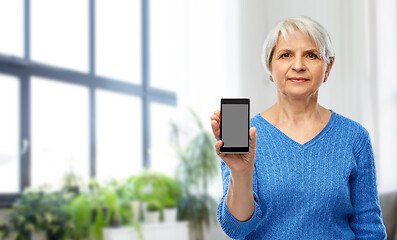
<point>163,43</point>
<point>118,37</point>
<point>11,23</point>
<point>162,155</point>
<point>119,135</point>
<point>59,33</point>
<point>60,131</point>
<point>9,137</point>
<point>76,92</point>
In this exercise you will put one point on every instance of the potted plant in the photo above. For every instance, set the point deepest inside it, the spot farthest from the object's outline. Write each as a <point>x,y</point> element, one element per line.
<point>171,200</point>
<point>112,201</point>
<point>170,210</point>
<point>4,231</point>
<point>91,211</point>
<point>80,211</point>
<point>41,213</point>
<point>126,192</point>
<point>149,188</point>
<point>197,168</point>
<point>71,183</point>
<point>126,195</point>
<point>153,212</point>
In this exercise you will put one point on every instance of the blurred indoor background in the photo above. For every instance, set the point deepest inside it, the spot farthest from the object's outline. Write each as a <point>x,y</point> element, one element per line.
<point>95,88</point>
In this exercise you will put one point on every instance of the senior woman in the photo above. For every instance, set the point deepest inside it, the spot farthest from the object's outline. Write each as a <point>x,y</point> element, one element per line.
<point>310,173</point>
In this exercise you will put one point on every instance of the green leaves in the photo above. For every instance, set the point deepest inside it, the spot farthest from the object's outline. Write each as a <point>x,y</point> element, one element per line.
<point>198,167</point>
<point>156,188</point>
<point>37,210</point>
<point>199,209</point>
<point>198,161</point>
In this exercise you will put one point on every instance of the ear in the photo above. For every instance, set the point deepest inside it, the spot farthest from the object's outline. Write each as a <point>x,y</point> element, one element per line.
<point>271,78</point>
<point>329,67</point>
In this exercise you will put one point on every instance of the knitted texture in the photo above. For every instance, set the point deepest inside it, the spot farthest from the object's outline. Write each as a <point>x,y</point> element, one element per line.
<point>323,189</point>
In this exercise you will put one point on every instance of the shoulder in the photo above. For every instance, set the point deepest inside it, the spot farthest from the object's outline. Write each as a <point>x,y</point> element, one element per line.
<point>349,125</point>
<point>257,120</point>
<point>358,135</point>
<point>260,123</point>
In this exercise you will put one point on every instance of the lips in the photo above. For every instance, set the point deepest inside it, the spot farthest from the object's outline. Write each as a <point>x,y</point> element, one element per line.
<point>298,79</point>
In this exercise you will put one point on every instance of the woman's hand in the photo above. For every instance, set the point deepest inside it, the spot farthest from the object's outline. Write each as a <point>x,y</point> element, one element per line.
<point>239,197</point>
<point>237,163</point>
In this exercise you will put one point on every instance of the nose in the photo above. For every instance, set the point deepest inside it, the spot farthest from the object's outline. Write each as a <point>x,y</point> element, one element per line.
<point>298,65</point>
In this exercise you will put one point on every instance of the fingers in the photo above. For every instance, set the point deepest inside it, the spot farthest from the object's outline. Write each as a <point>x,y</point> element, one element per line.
<point>216,116</point>
<point>215,121</point>
<point>215,129</point>
<point>218,113</point>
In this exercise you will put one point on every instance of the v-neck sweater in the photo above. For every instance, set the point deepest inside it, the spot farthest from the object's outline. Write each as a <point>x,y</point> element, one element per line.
<point>323,189</point>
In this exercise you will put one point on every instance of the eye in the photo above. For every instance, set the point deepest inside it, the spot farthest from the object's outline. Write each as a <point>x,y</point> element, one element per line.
<point>312,55</point>
<point>285,55</point>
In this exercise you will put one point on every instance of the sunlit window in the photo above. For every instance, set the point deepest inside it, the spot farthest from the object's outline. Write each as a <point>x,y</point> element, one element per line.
<point>118,40</point>
<point>163,44</point>
<point>162,154</point>
<point>80,100</point>
<point>11,27</point>
<point>59,33</point>
<point>119,134</point>
<point>9,137</point>
<point>59,131</point>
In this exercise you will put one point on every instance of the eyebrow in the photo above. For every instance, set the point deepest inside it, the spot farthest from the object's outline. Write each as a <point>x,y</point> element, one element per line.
<point>289,50</point>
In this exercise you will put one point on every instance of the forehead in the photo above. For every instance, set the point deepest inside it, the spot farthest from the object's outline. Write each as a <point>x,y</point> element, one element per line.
<point>295,40</point>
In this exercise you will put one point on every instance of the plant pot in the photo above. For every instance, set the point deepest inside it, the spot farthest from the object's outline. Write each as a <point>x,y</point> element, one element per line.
<point>152,217</point>
<point>124,233</point>
<point>40,235</point>
<point>170,215</point>
<point>135,207</point>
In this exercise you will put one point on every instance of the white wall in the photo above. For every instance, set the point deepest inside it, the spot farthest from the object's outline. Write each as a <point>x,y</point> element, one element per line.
<point>386,78</point>
<point>362,84</point>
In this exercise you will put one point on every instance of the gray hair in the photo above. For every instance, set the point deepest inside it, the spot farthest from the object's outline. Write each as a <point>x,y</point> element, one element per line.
<point>308,27</point>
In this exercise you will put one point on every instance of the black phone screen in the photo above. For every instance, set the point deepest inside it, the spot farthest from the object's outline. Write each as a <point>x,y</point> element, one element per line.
<point>235,125</point>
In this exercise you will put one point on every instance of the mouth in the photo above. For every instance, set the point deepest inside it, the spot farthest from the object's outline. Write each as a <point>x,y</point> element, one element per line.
<point>298,79</point>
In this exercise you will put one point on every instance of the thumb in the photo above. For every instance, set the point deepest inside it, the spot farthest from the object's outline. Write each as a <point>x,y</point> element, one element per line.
<point>217,146</point>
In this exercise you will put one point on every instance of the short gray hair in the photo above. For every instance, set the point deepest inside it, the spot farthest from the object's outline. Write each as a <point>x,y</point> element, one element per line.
<point>308,27</point>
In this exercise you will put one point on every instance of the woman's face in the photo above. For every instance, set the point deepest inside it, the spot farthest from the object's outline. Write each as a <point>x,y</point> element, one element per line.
<point>297,69</point>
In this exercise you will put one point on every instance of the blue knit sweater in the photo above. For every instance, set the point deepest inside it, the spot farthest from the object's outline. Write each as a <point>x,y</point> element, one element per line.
<point>323,189</point>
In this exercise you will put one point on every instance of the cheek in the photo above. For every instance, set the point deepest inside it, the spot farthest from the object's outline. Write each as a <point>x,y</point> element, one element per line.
<point>279,71</point>
<point>319,70</point>
<point>319,73</point>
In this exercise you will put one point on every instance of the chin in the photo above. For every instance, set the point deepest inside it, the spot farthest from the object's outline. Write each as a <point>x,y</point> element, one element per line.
<point>298,93</point>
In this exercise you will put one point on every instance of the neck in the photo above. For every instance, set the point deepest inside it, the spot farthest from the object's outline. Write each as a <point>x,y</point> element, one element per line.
<point>297,110</point>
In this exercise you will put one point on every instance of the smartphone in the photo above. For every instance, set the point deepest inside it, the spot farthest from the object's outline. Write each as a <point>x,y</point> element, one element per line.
<point>234,125</point>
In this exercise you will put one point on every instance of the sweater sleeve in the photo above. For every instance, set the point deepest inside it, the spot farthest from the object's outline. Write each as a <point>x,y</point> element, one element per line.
<point>230,225</point>
<point>366,219</point>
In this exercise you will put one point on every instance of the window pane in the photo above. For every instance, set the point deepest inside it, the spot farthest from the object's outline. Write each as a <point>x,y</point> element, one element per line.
<point>118,39</point>
<point>9,137</point>
<point>11,27</point>
<point>60,131</point>
<point>163,42</point>
<point>162,155</point>
<point>119,135</point>
<point>59,33</point>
